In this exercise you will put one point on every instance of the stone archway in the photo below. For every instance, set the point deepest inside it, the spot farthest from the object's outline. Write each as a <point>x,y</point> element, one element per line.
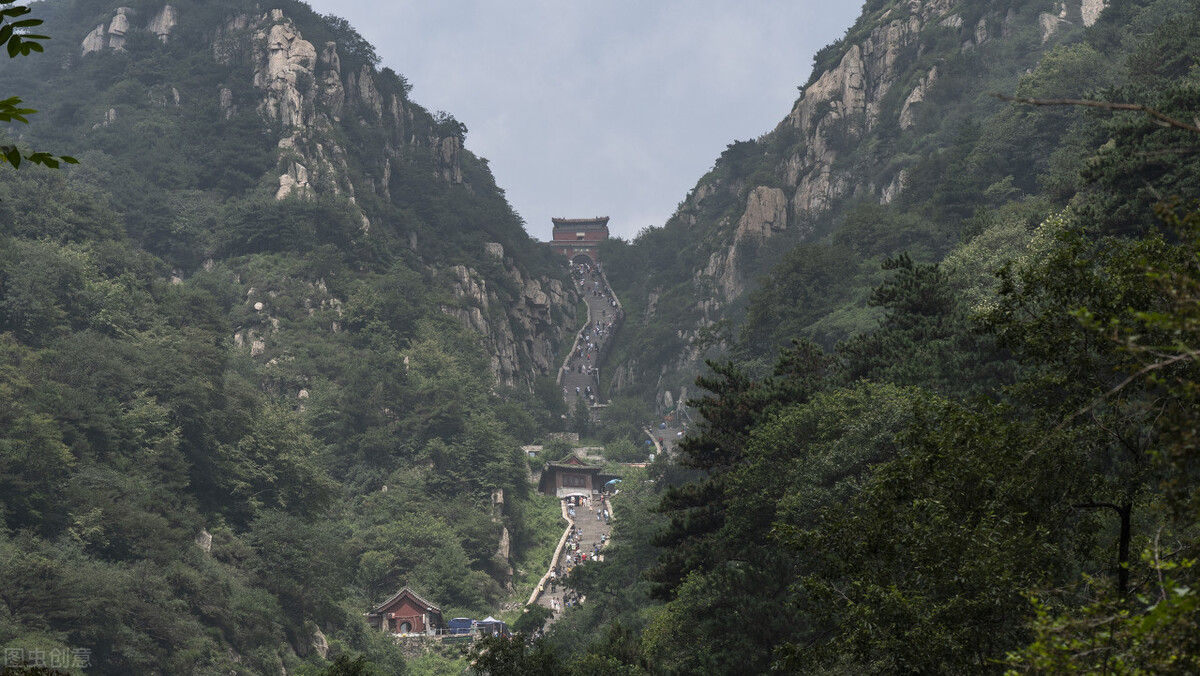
<point>581,258</point>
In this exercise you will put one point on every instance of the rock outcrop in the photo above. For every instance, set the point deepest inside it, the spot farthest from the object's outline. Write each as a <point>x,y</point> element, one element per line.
<point>916,96</point>
<point>1085,12</point>
<point>204,540</point>
<point>839,107</point>
<point>112,35</point>
<point>1049,24</point>
<point>294,182</point>
<point>305,91</point>
<point>284,65</point>
<point>1090,11</point>
<point>765,215</point>
<point>844,102</point>
<point>319,643</point>
<point>163,23</point>
<point>888,68</point>
<point>520,333</point>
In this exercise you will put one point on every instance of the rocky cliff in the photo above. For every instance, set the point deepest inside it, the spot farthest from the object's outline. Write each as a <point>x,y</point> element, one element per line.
<point>856,130</point>
<point>844,104</point>
<point>523,329</point>
<point>307,95</point>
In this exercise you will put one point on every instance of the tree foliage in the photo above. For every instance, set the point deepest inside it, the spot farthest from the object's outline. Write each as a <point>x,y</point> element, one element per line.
<point>227,421</point>
<point>16,39</point>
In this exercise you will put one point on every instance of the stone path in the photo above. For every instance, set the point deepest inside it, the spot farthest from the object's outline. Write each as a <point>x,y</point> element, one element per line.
<point>580,373</point>
<point>665,438</point>
<point>579,378</point>
<point>588,532</point>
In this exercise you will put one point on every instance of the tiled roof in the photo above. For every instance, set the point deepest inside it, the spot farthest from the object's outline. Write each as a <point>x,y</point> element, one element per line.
<point>573,462</point>
<point>415,596</point>
<point>575,467</point>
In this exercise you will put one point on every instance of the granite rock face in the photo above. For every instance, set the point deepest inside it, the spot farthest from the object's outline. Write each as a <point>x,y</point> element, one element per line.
<point>162,23</point>
<point>765,215</point>
<point>113,33</point>
<point>308,94</point>
<point>110,35</point>
<point>878,83</point>
<point>840,106</point>
<point>521,332</point>
<point>284,61</point>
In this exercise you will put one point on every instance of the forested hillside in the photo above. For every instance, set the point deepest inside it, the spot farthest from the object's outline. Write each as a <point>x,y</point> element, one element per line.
<point>896,144</point>
<point>950,428</point>
<point>267,353</point>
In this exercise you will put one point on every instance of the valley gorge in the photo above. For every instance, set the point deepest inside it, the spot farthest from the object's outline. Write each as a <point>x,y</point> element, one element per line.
<point>906,383</point>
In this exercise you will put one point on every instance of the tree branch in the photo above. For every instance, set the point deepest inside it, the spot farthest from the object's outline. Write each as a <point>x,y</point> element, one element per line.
<point>1162,118</point>
<point>1152,367</point>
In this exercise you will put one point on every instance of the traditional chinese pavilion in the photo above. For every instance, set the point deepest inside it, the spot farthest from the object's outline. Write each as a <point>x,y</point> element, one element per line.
<point>406,613</point>
<point>572,476</point>
<point>578,238</point>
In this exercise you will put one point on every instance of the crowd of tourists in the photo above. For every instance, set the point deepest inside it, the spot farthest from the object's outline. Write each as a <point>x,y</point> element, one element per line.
<point>584,544</point>
<point>594,334</point>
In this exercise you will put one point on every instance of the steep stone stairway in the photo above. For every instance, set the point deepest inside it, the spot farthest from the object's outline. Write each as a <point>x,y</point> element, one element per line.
<point>586,533</point>
<point>579,375</point>
<point>587,530</point>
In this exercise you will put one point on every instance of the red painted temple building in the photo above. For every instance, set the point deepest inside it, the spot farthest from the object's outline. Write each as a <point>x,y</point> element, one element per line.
<point>406,613</point>
<point>580,237</point>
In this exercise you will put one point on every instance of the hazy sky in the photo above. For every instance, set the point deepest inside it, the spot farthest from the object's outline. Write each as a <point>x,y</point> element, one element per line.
<point>601,108</point>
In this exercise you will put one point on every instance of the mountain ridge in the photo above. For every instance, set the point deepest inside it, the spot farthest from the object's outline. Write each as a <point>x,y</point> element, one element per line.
<point>855,135</point>
<point>274,344</point>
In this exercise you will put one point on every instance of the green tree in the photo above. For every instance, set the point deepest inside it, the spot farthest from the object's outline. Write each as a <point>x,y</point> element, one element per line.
<point>34,461</point>
<point>926,338</point>
<point>513,656</point>
<point>807,457</point>
<point>805,286</point>
<point>275,465</point>
<point>532,620</point>
<point>924,568</point>
<point>736,404</point>
<point>344,665</point>
<point>1154,631</point>
<point>624,450</point>
<point>16,40</point>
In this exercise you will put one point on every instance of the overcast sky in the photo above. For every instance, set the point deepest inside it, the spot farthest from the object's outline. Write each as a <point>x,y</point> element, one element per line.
<point>601,108</point>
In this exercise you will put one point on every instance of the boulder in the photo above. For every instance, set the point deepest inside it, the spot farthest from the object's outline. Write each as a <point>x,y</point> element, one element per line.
<point>163,22</point>
<point>117,29</point>
<point>1091,10</point>
<point>204,540</point>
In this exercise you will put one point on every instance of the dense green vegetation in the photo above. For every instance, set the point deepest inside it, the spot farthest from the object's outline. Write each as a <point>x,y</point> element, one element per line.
<point>184,357</point>
<point>953,433</point>
<point>950,434</point>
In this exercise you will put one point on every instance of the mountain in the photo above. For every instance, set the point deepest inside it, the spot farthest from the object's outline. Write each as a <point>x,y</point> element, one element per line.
<point>894,143</point>
<point>947,421</point>
<point>270,114</point>
<point>269,350</point>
